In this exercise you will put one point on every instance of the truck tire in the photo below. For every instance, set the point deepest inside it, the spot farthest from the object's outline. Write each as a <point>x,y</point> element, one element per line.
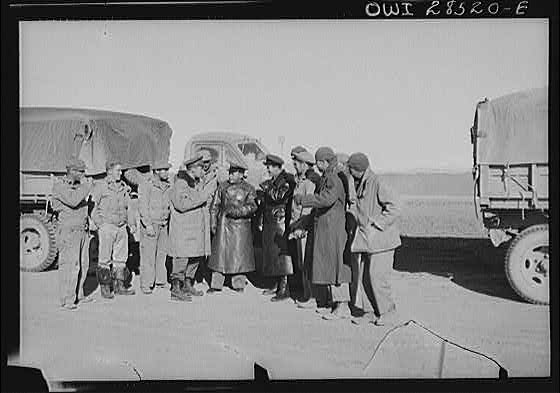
<point>37,243</point>
<point>527,264</point>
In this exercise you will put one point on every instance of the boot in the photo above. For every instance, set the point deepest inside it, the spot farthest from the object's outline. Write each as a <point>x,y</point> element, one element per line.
<point>341,311</point>
<point>120,288</point>
<point>177,293</point>
<point>283,292</point>
<point>104,278</point>
<point>189,289</point>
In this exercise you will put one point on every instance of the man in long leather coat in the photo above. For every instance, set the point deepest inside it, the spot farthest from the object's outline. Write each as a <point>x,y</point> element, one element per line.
<point>277,194</point>
<point>230,217</point>
<point>69,200</point>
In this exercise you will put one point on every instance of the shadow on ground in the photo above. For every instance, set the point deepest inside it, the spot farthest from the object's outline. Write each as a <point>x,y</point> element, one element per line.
<point>473,263</point>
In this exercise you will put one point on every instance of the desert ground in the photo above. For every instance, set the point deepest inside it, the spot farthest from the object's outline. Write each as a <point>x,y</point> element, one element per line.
<point>448,277</point>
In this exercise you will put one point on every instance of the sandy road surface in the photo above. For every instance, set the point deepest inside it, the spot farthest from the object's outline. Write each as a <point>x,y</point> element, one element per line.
<point>456,291</point>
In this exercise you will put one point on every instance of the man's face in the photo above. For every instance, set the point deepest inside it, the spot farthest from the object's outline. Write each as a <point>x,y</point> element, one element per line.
<point>273,170</point>
<point>301,167</point>
<point>356,174</point>
<point>163,174</point>
<point>115,172</point>
<point>322,165</point>
<point>197,171</point>
<point>75,174</point>
<point>236,176</point>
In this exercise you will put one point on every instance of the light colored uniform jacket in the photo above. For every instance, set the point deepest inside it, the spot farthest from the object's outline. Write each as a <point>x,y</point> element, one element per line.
<point>378,208</point>
<point>153,202</point>
<point>112,203</point>
<point>189,225</point>
<point>70,202</point>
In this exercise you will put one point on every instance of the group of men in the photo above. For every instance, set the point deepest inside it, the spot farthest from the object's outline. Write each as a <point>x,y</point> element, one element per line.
<point>336,228</point>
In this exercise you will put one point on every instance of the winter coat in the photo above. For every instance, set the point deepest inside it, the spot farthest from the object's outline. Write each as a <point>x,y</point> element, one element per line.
<point>230,213</point>
<point>189,224</point>
<point>112,202</point>
<point>377,208</point>
<point>153,202</point>
<point>329,235</point>
<point>70,201</point>
<point>277,213</point>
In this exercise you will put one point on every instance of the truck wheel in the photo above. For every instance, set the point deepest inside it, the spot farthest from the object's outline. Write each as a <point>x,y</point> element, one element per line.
<point>526,264</point>
<point>37,243</point>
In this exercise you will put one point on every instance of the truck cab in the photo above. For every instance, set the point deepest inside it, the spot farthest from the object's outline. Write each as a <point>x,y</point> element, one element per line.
<point>231,148</point>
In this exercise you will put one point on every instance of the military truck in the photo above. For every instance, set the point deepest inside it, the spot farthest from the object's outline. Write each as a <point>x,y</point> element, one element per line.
<point>510,155</point>
<point>48,137</point>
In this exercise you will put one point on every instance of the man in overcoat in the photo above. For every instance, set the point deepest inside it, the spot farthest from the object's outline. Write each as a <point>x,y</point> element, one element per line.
<point>230,216</point>
<point>111,214</point>
<point>189,228</point>
<point>277,194</point>
<point>329,234</point>
<point>153,203</point>
<point>69,200</point>
<point>376,239</point>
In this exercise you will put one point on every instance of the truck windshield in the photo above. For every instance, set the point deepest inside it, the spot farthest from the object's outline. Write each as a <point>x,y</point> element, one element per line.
<point>251,150</point>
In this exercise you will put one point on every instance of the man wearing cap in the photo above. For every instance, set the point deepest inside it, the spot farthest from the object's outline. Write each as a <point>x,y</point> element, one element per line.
<point>69,201</point>
<point>277,194</point>
<point>301,218</point>
<point>111,214</point>
<point>189,228</point>
<point>310,173</point>
<point>153,203</point>
<point>329,234</point>
<point>373,248</point>
<point>230,217</point>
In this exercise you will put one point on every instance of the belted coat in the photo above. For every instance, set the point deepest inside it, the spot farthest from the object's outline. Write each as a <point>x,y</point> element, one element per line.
<point>230,213</point>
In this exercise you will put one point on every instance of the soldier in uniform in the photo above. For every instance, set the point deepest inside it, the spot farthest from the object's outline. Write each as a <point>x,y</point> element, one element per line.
<point>230,215</point>
<point>329,234</point>
<point>153,199</point>
<point>189,228</point>
<point>310,173</point>
<point>111,214</point>
<point>277,194</point>
<point>69,200</point>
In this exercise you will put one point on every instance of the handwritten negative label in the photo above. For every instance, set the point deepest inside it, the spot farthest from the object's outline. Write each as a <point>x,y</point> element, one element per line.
<point>447,8</point>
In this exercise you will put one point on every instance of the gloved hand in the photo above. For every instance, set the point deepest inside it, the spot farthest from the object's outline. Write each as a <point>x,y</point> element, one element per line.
<point>150,231</point>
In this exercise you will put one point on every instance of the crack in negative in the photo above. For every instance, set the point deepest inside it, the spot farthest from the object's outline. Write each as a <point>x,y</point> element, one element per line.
<point>133,368</point>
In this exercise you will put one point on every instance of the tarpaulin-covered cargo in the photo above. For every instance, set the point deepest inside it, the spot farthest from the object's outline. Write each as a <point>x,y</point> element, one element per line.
<point>49,136</point>
<point>513,129</point>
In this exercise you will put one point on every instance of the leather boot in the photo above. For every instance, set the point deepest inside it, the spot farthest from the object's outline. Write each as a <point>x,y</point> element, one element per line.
<point>177,293</point>
<point>120,288</point>
<point>189,289</point>
<point>283,292</point>
<point>104,278</point>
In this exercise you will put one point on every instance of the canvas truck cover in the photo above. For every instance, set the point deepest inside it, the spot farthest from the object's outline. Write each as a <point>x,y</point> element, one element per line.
<point>513,129</point>
<point>49,136</point>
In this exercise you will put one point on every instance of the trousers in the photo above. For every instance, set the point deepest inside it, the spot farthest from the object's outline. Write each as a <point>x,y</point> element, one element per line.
<point>113,244</point>
<point>184,267</point>
<point>371,289</point>
<point>153,251</point>
<point>73,262</point>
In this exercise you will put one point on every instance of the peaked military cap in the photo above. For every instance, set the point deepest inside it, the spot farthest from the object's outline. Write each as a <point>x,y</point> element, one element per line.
<point>272,159</point>
<point>324,154</point>
<point>193,160</point>
<point>297,149</point>
<point>75,163</point>
<point>206,155</point>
